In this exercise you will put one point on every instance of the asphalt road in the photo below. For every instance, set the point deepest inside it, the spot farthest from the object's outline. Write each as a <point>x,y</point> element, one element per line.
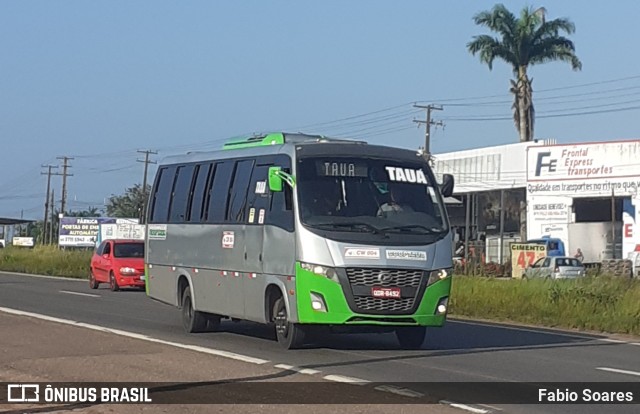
<point>462,351</point>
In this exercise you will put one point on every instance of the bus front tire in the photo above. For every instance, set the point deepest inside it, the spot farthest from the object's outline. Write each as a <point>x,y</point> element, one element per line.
<point>289,335</point>
<point>411,337</point>
<point>192,320</point>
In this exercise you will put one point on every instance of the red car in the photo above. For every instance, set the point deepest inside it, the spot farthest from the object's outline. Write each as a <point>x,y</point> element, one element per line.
<point>120,263</point>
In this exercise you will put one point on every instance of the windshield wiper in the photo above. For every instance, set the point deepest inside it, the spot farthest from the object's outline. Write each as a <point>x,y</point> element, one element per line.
<point>411,228</point>
<point>351,226</point>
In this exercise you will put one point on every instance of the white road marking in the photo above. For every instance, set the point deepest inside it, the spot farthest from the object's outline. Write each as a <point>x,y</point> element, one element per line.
<point>619,371</point>
<point>307,371</point>
<point>466,407</point>
<point>400,391</point>
<point>196,348</point>
<point>348,380</point>
<point>614,341</point>
<point>80,293</point>
<point>72,279</point>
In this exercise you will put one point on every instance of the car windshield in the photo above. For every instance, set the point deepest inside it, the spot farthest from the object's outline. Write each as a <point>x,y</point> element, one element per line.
<point>128,250</point>
<point>376,196</point>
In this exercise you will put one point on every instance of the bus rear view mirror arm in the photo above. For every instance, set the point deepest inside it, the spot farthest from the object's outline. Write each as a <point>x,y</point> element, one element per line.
<point>277,176</point>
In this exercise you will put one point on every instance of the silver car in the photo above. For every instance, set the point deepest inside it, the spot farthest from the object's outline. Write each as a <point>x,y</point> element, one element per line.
<point>555,267</point>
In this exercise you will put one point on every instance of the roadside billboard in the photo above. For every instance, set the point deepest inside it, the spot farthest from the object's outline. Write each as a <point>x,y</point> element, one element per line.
<point>83,231</point>
<point>524,255</point>
<point>584,170</point>
<point>23,241</point>
<point>132,231</point>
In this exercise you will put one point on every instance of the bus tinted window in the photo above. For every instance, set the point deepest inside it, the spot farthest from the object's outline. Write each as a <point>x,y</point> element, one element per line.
<point>281,211</point>
<point>162,195</point>
<point>258,195</point>
<point>198,197</point>
<point>181,190</point>
<point>239,191</point>
<point>219,192</point>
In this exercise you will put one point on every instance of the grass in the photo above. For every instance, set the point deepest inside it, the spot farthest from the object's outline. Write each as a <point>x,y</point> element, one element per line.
<point>46,260</point>
<point>602,303</point>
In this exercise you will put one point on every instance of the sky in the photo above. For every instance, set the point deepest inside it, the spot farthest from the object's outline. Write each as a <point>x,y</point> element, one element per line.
<point>99,80</point>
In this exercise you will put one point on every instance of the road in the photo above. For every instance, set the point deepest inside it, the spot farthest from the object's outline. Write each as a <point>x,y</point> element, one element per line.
<point>462,351</point>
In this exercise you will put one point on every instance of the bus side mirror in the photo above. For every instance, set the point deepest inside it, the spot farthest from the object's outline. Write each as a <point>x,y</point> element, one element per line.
<point>275,181</point>
<point>447,185</point>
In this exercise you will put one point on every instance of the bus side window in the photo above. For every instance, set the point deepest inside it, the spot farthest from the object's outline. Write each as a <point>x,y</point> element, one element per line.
<point>180,199</point>
<point>219,192</point>
<point>258,196</point>
<point>162,195</point>
<point>238,191</point>
<point>198,193</point>
<point>281,208</point>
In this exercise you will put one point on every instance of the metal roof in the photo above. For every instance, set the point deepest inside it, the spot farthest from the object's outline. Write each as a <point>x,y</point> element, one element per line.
<point>9,221</point>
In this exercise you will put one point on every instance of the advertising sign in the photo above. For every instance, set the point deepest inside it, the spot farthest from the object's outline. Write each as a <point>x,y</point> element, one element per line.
<point>84,231</point>
<point>590,169</point>
<point>548,216</point>
<point>23,241</point>
<point>524,255</point>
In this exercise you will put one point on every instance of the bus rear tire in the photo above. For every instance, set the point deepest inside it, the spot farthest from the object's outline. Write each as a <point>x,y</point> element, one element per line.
<point>411,337</point>
<point>288,334</point>
<point>192,320</point>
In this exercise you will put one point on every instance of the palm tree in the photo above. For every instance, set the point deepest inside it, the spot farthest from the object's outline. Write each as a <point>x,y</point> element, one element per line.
<point>523,42</point>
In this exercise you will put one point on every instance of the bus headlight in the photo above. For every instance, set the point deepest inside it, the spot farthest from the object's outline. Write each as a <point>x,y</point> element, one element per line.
<point>328,272</point>
<point>437,275</point>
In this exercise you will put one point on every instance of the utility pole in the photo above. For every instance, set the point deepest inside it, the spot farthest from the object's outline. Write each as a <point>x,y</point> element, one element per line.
<point>428,123</point>
<point>144,181</point>
<point>53,216</point>
<point>46,201</point>
<point>65,165</point>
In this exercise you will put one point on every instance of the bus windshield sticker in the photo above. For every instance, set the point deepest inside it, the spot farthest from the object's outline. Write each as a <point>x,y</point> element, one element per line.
<point>406,255</point>
<point>407,175</point>
<point>261,216</point>
<point>261,187</point>
<point>157,231</point>
<point>361,253</point>
<point>227,239</point>
<point>252,214</point>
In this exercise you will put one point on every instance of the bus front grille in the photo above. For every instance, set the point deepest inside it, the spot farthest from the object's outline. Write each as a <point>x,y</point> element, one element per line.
<point>368,303</point>
<point>384,277</point>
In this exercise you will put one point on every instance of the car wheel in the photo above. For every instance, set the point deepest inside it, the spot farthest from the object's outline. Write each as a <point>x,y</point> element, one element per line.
<point>411,337</point>
<point>93,283</point>
<point>288,334</point>
<point>113,283</point>
<point>192,320</point>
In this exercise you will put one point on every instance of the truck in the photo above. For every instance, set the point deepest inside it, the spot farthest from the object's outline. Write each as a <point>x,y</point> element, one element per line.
<point>593,239</point>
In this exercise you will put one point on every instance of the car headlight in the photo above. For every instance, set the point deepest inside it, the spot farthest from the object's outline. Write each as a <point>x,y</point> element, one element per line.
<point>127,271</point>
<point>328,272</point>
<point>437,275</point>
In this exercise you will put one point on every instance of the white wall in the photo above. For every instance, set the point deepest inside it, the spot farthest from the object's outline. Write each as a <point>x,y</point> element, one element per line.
<point>486,169</point>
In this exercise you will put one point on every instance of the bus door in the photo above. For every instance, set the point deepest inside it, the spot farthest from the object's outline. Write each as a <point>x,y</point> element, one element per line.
<point>256,210</point>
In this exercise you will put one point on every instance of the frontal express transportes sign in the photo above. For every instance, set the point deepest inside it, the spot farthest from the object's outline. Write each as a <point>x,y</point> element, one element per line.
<point>83,231</point>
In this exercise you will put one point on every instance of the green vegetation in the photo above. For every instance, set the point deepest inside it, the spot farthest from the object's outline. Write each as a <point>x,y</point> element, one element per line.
<point>523,42</point>
<point>602,303</point>
<point>46,260</point>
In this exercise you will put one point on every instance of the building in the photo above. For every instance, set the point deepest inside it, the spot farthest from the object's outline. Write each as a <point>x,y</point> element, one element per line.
<point>575,192</point>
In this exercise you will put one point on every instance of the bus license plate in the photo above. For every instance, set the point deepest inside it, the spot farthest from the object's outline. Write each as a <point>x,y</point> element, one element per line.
<point>390,293</point>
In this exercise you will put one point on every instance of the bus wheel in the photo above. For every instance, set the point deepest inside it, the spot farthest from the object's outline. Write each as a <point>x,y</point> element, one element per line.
<point>411,337</point>
<point>192,320</point>
<point>289,335</point>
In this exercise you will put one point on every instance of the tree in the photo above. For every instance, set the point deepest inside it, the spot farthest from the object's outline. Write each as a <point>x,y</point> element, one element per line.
<point>523,42</point>
<point>90,212</point>
<point>129,204</point>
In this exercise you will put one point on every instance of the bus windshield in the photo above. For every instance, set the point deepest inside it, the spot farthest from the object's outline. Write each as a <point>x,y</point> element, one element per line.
<point>380,197</point>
